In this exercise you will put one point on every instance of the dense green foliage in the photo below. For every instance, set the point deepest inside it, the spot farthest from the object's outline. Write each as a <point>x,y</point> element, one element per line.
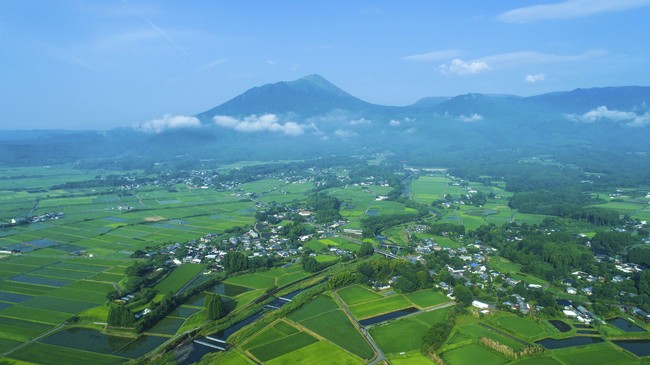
<point>408,277</point>
<point>120,316</point>
<point>214,307</point>
<point>549,255</point>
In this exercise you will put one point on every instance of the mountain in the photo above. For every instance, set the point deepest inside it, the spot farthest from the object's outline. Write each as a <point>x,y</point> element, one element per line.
<point>313,117</point>
<point>307,96</point>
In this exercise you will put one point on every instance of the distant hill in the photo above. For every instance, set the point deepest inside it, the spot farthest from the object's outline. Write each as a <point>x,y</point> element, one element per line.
<point>313,117</point>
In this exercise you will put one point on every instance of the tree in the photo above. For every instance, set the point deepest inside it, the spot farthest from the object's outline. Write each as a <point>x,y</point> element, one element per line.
<point>235,261</point>
<point>215,307</point>
<point>463,295</point>
<point>366,249</point>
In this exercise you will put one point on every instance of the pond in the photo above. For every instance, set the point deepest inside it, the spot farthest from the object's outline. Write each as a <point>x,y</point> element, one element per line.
<point>228,290</point>
<point>387,316</point>
<point>552,344</point>
<point>560,325</point>
<point>625,325</point>
<point>92,340</point>
<point>637,347</point>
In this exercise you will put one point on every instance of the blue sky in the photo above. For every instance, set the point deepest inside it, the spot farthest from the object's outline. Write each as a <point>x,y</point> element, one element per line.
<point>71,64</point>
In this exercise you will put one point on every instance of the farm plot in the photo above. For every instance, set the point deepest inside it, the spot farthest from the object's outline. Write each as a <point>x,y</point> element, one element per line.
<point>356,294</point>
<point>321,352</point>
<point>379,306</point>
<point>283,345</point>
<point>477,331</point>
<point>597,354</point>
<point>323,316</point>
<point>179,277</point>
<point>21,330</point>
<point>426,298</point>
<point>404,335</point>
<point>523,327</point>
<point>40,353</point>
<point>473,354</point>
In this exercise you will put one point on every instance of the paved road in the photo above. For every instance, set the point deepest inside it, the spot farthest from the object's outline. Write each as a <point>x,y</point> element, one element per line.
<point>380,354</point>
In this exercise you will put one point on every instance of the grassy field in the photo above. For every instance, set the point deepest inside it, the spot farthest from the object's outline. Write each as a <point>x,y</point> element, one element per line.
<point>404,335</point>
<point>282,346</point>
<point>477,331</point>
<point>178,278</point>
<point>356,294</point>
<point>413,358</point>
<point>379,306</point>
<point>597,354</point>
<point>427,298</point>
<point>321,352</point>
<point>336,327</point>
<point>522,327</point>
<point>473,354</point>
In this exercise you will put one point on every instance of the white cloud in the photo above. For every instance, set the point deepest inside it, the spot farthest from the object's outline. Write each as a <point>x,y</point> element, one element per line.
<point>394,123</point>
<point>168,121</point>
<point>410,130</point>
<point>433,56</point>
<point>568,9</point>
<point>262,123</point>
<point>344,133</point>
<point>460,67</point>
<point>472,118</point>
<point>630,119</point>
<point>210,65</point>
<point>360,121</point>
<point>533,78</point>
<point>530,57</point>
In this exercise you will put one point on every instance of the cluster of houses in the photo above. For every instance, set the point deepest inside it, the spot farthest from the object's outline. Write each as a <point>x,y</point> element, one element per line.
<point>32,219</point>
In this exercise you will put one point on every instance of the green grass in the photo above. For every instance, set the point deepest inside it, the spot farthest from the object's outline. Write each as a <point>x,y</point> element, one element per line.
<point>272,333</point>
<point>404,335</point>
<point>524,327</point>
<point>473,354</point>
<point>57,304</point>
<point>34,314</point>
<point>282,346</point>
<point>21,330</point>
<point>381,306</point>
<point>46,354</point>
<point>547,360</point>
<point>255,281</point>
<point>413,358</point>
<point>336,327</point>
<point>478,331</point>
<point>319,305</point>
<point>356,294</point>
<point>321,352</point>
<point>427,298</point>
<point>399,336</point>
<point>597,354</point>
<point>178,278</point>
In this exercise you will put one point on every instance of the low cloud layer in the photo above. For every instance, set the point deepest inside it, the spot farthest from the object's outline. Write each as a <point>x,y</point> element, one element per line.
<point>262,123</point>
<point>168,121</point>
<point>630,119</point>
<point>460,67</point>
<point>472,118</point>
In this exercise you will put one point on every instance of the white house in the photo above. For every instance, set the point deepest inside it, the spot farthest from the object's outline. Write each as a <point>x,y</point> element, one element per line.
<point>480,305</point>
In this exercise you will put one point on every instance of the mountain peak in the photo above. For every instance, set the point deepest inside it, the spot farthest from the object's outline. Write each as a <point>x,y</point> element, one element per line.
<point>307,96</point>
